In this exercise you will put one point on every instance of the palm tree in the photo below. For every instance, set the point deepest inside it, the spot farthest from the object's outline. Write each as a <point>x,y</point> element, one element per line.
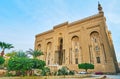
<point>4,46</point>
<point>21,54</point>
<point>35,53</point>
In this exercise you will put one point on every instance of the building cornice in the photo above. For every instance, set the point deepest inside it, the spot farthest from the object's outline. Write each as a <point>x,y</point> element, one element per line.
<point>86,19</point>
<point>60,25</point>
<point>73,23</point>
<point>49,31</point>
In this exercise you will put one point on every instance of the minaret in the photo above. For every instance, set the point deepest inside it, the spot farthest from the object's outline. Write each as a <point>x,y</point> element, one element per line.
<point>100,8</point>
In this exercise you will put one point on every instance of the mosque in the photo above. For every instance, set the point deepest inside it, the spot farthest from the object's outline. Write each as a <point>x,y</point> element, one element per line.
<point>84,41</point>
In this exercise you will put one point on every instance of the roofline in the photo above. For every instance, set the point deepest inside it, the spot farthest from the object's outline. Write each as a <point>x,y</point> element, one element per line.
<point>49,31</point>
<point>73,23</point>
<point>86,19</point>
<point>59,25</point>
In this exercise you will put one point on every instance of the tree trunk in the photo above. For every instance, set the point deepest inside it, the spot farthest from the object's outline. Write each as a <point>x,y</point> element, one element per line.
<point>2,53</point>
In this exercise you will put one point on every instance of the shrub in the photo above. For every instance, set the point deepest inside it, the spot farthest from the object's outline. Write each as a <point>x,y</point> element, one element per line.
<point>2,60</point>
<point>38,64</point>
<point>22,64</point>
<point>63,71</point>
<point>19,64</point>
<point>71,72</point>
<point>86,66</point>
<point>45,71</point>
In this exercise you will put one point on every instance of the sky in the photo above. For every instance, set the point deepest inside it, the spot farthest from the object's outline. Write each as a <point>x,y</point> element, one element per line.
<point>21,20</point>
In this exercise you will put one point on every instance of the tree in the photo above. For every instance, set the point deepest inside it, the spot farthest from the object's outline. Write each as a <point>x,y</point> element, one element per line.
<point>8,56</point>
<point>21,54</point>
<point>19,62</point>
<point>35,53</point>
<point>86,66</point>
<point>38,64</point>
<point>23,64</point>
<point>20,65</point>
<point>4,46</point>
<point>2,60</point>
<point>14,54</point>
<point>17,54</point>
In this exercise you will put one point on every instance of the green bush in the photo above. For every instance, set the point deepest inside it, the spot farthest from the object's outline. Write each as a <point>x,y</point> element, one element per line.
<point>2,60</point>
<point>63,71</point>
<point>38,64</point>
<point>45,71</point>
<point>86,66</point>
<point>23,64</point>
<point>71,72</point>
<point>19,64</point>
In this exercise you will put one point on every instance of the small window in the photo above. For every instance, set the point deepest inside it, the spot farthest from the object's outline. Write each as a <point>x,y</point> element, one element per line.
<point>76,61</point>
<point>98,59</point>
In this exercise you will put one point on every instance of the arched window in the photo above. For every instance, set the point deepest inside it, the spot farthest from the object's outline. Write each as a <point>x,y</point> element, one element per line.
<point>39,47</point>
<point>75,44</point>
<point>95,47</point>
<point>94,36</point>
<point>95,40</point>
<point>75,49</point>
<point>49,45</point>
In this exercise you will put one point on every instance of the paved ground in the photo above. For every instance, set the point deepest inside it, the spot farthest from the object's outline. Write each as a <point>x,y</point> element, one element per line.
<point>92,77</point>
<point>113,76</point>
<point>110,76</point>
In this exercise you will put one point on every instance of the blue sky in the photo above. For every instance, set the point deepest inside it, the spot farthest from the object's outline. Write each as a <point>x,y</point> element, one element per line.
<point>21,20</point>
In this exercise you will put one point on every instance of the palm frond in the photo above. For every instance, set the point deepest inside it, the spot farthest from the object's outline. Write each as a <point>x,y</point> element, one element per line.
<point>4,45</point>
<point>35,53</point>
<point>21,54</point>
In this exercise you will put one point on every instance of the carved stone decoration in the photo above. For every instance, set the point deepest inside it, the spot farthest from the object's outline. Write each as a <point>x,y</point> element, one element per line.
<point>75,49</point>
<point>95,41</point>
<point>48,57</point>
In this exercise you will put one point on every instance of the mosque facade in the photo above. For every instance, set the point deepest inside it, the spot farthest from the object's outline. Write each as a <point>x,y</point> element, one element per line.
<point>84,41</point>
